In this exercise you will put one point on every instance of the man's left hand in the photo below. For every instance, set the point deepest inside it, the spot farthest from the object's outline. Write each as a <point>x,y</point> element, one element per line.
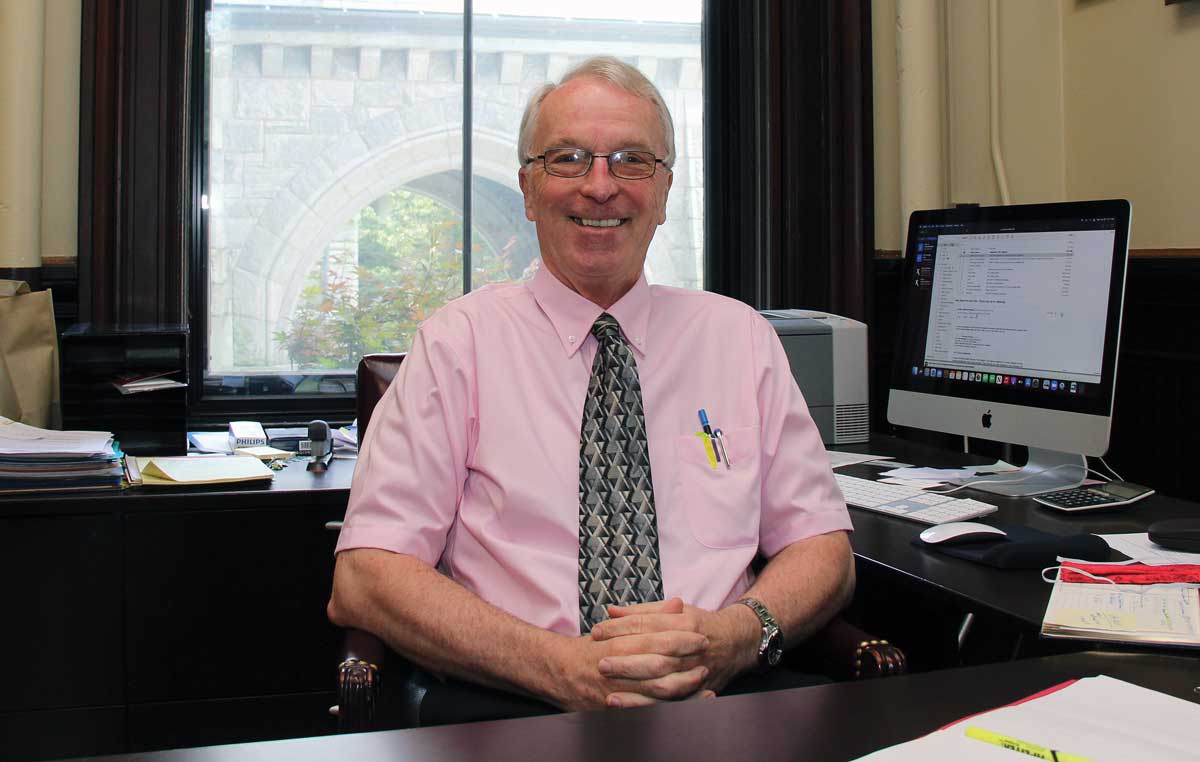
<point>733,634</point>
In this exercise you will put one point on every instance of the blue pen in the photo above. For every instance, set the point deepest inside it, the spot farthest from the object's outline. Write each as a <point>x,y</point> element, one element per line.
<point>708,430</point>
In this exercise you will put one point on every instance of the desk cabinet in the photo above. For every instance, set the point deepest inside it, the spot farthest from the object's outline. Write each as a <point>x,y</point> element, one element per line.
<point>62,635</point>
<point>149,620</point>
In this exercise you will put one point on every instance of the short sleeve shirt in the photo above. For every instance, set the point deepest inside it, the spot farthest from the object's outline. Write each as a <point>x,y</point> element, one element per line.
<point>471,461</point>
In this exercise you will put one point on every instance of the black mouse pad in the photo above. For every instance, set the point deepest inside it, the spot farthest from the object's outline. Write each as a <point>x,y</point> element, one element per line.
<point>1024,548</point>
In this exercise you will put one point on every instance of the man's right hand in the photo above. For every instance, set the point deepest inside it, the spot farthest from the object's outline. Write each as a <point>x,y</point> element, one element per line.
<point>670,668</point>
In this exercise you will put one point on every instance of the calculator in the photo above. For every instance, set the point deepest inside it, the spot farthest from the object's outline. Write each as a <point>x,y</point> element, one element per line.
<point>1094,497</point>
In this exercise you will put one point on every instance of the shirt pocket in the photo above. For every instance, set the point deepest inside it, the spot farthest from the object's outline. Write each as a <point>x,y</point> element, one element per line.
<point>722,503</point>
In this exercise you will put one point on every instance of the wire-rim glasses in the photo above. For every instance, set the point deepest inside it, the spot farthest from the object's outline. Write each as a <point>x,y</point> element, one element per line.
<point>577,162</point>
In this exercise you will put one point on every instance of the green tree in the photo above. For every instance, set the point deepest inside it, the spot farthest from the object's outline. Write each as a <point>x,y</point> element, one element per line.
<point>409,265</point>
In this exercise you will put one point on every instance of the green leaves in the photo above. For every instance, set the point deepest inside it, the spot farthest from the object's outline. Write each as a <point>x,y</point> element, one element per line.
<point>408,264</point>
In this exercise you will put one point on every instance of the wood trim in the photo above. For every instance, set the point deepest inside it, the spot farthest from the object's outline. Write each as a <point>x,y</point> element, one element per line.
<point>135,182</point>
<point>1181,253</point>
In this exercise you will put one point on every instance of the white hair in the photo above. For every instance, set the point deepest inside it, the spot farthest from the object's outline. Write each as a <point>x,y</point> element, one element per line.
<point>610,69</point>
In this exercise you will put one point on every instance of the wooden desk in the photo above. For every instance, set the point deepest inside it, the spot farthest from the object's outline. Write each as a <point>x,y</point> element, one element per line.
<point>826,723</point>
<point>1011,599</point>
<point>162,617</point>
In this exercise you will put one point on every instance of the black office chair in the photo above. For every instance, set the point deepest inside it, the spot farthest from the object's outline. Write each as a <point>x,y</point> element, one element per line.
<point>840,650</point>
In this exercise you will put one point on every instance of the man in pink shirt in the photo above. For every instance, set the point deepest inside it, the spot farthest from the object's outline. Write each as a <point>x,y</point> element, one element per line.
<point>462,542</point>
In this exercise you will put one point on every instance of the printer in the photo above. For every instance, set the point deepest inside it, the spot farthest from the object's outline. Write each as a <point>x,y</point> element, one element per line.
<point>828,355</point>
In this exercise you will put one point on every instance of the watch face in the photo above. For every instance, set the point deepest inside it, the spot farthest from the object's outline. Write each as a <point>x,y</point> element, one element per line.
<point>774,648</point>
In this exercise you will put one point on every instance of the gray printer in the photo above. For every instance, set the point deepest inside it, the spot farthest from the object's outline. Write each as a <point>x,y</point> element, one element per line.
<point>828,355</point>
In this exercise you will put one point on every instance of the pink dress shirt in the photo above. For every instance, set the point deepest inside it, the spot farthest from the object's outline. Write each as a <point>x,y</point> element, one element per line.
<point>472,457</point>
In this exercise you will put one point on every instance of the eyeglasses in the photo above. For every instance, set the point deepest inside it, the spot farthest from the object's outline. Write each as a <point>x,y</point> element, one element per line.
<point>577,162</point>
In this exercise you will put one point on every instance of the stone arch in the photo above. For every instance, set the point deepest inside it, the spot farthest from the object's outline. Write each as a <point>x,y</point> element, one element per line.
<point>304,217</point>
<point>294,229</point>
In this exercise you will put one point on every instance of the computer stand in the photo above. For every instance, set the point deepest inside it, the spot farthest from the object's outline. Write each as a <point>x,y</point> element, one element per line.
<point>1046,470</point>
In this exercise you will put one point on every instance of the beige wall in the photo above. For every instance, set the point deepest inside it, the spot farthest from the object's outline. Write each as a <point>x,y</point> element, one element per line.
<point>1097,99</point>
<point>1132,81</point>
<point>60,130</point>
<point>39,130</point>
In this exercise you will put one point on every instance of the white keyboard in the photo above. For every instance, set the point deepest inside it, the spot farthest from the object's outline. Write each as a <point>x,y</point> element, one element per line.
<point>909,502</point>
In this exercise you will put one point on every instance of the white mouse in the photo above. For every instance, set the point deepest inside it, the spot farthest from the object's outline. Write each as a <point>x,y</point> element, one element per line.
<point>961,531</point>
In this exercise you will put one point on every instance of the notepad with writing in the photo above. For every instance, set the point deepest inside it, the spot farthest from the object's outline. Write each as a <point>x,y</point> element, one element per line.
<point>1159,614</point>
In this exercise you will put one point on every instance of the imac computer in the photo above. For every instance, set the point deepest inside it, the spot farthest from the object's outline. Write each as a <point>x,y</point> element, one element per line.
<point>1009,323</point>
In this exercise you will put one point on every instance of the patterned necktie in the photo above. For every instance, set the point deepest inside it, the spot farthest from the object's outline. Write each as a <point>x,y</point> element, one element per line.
<point>618,533</point>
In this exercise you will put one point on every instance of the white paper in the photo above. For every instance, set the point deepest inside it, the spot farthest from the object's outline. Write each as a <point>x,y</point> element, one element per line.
<point>1100,718</point>
<point>1137,546</point>
<point>948,474</point>
<point>20,439</point>
<point>210,441</point>
<point>838,458</point>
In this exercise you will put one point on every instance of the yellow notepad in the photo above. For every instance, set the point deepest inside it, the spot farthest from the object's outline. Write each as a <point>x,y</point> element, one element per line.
<point>204,470</point>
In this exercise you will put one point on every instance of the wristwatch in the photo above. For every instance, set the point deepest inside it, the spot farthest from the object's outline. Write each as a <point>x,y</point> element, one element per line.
<point>770,645</point>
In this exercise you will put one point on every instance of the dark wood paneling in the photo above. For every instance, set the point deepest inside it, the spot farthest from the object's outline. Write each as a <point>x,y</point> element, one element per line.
<point>135,177</point>
<point>1155,436</point>
<point>62,590</point>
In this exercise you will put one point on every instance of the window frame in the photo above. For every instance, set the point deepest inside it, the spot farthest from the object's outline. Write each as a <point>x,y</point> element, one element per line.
<point>213,409</point>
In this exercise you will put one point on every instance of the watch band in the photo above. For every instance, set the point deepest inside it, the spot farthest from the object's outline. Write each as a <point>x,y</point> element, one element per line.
<point>770,644</point>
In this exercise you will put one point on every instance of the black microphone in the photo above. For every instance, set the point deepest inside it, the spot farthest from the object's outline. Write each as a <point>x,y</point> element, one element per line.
<point>321,446</point>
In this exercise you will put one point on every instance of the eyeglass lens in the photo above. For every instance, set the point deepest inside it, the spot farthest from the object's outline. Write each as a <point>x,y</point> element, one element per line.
<point>576,162</point>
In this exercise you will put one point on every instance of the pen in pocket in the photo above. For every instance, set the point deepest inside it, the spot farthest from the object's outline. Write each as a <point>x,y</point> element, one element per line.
<point>708,430</point>
<point>719,436</point>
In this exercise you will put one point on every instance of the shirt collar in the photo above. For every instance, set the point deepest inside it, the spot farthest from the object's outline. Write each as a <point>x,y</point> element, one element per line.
<point>572,315</point>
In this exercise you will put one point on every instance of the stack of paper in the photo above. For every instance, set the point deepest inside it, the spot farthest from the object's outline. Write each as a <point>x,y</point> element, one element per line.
<point>132,383</point>
<point>37,460</point>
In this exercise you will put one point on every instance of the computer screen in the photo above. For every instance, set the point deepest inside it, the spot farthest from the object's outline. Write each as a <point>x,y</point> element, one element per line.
<point>1009,327</point>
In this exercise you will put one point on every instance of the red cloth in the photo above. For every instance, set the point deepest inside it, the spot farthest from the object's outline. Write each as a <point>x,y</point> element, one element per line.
<point>1131,574</point>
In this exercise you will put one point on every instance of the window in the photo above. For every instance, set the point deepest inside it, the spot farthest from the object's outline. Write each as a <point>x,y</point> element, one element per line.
<point>340,210</point>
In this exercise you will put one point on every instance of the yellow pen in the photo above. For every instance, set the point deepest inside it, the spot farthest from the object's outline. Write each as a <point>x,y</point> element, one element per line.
<point>1024,747</point>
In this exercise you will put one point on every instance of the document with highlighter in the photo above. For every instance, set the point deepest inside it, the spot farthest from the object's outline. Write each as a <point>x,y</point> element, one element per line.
<point>1089,720</point>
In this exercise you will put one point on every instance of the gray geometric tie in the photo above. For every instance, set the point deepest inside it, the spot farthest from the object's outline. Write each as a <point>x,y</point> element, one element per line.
<point>618,533</point>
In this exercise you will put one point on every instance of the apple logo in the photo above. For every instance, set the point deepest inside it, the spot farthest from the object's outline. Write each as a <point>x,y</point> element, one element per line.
<point>986,420</point>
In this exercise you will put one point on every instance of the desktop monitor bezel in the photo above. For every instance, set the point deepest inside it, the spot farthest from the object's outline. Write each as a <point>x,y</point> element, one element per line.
<point>1038,419</point>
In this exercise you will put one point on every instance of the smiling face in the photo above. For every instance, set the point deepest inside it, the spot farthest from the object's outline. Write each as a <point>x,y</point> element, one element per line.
<point>594,230</point>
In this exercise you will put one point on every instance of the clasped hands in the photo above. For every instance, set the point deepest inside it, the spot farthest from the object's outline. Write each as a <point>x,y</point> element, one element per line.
<point>659,651</point>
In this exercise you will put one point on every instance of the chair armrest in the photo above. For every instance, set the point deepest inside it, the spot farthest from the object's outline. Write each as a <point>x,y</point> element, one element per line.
<point>358,682</point>
<point>848,653</point>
